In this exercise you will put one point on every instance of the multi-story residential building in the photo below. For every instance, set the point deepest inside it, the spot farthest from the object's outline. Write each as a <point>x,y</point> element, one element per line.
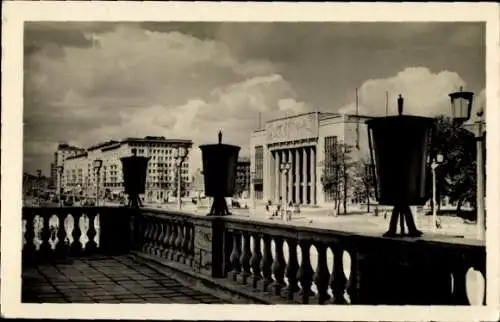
<point>81,177</point>
<point>243,176</point>
<point>63,152</point>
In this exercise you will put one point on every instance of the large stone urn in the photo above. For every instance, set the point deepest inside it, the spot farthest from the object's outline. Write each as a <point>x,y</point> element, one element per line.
<point>134,170</point>
<point>219,172</point>
<point>400,148</point>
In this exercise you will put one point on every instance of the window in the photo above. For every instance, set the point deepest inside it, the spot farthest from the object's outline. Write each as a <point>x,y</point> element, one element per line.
<point>259,171</point>
<point>330,147</point>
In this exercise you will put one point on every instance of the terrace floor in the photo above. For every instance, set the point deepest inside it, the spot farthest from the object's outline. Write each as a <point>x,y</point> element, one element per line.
<point>106,279</point>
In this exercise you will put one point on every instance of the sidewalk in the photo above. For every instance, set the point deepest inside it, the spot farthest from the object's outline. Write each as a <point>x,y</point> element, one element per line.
<point>355,223</point>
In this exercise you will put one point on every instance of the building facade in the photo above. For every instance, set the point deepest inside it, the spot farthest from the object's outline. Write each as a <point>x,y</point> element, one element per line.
<point>243,176</point>
<point>63,152</point>
<point>305,142</point>
<point>81,178</point>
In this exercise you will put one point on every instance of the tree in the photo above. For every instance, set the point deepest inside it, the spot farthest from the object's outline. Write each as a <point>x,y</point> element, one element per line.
<point>337,173</point>
<point>362,181</point>
<point>174,185</point>
<point>456,176</point>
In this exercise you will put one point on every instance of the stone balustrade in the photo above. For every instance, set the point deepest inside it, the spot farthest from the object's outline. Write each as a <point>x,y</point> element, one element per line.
<point>54,233</point>
<point>267,261</point>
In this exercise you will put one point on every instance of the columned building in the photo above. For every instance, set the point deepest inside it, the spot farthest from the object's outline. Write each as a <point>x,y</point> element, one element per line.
<point>304,141</point>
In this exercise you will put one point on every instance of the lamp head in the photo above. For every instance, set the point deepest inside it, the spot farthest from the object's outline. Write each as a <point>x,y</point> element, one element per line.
<point>461,105</point>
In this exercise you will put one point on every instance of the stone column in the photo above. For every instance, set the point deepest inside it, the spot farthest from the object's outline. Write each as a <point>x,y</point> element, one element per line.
<point>277,175</point>
<point>313,175</point>
<point>268,175</point>
<point>290,176</point>
<point>305,179</point>
<point>283,192</point>
<point>297,175</point>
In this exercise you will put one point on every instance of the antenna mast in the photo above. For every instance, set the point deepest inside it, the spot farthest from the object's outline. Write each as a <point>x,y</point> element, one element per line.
<point>386,103</point>
<point>357,120</point>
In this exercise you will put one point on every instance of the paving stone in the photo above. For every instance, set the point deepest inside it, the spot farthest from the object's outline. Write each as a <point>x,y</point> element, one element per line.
<point>105,280</point>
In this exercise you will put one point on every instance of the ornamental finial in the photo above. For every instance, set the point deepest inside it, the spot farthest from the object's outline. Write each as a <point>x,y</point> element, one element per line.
<point>400,104</point>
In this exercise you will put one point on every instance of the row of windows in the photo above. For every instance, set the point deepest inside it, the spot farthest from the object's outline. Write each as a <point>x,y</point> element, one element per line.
<point>331,146</point>
<point>259,161</point>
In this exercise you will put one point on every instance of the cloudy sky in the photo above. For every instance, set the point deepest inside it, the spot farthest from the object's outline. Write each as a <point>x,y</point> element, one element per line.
<point>91,82</point>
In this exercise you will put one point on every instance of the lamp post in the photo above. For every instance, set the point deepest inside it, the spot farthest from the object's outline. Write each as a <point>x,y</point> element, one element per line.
<point>461,105</point>
<point>60,170</point>
<point>435,163</point>
<point>285,168</point>
<point>97,164</point>
<point>180,155</point>
<point>252,182</point>
<point>39,186</point>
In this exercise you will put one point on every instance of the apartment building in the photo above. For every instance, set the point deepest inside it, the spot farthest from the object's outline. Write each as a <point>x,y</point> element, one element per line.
<point>81,178</point>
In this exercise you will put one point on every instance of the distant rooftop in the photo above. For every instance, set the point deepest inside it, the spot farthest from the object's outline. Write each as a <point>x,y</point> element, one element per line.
<point>79,155</point>
<point>102,145</point>
<point>66,146</point>
<point>157,139</point>
<point>243,160</point>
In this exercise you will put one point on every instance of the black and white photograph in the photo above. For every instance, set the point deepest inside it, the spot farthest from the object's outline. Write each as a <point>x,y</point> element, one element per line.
<point>168,159</point>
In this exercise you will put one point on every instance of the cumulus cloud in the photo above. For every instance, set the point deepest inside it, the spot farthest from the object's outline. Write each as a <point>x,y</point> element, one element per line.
<point>168,84</point>
<point>425,93</point>
<point>90,83</point>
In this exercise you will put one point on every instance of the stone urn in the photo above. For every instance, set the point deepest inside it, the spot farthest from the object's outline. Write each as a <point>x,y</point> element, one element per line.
<point>219,173</point>
<point>134,170</point>
<point>400,148</point>
<point>400,151</point>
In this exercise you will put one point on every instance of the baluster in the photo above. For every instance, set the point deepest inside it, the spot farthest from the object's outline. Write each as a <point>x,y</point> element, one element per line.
<point>91,233</point>
<point>265,264</point>
<point>45,248</point>
<point>278,267</point>
<point>161,236</point>
<point>459,283</point>
<point>291,270</point>
<point>352,283</point>
<point>337,279</point>
<point>306,272</point>
<point>141,231</point>
<point>173,238</point>
<point>245,258</point>
<point>154,235</point>
<point>185,242</point>
<point>29,250</point>
<point>322,275</point>
<point>191,244</point>
<point>480,266</point>
<point>61,247</point>
<point>76,246</point>
<point>166,238</point>
<point>178,241</point>
<point>147,233</point>
<point>235,255</point>
<point>255,260</point>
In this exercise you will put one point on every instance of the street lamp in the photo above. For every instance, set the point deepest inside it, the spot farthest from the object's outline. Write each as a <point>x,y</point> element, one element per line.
<point>435,163</point>
<point>97,164</point>
<point>252,188</point>
<point>285,168</point>
<point>60,170</point>
<point>461,105</point>
<point>39,186</point>
<point>180,155</point>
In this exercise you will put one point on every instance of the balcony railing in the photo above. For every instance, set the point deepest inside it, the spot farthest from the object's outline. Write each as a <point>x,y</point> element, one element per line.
<point>264,262</point>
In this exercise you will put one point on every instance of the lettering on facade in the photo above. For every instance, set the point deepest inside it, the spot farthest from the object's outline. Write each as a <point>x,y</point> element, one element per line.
<point>293,128</point>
